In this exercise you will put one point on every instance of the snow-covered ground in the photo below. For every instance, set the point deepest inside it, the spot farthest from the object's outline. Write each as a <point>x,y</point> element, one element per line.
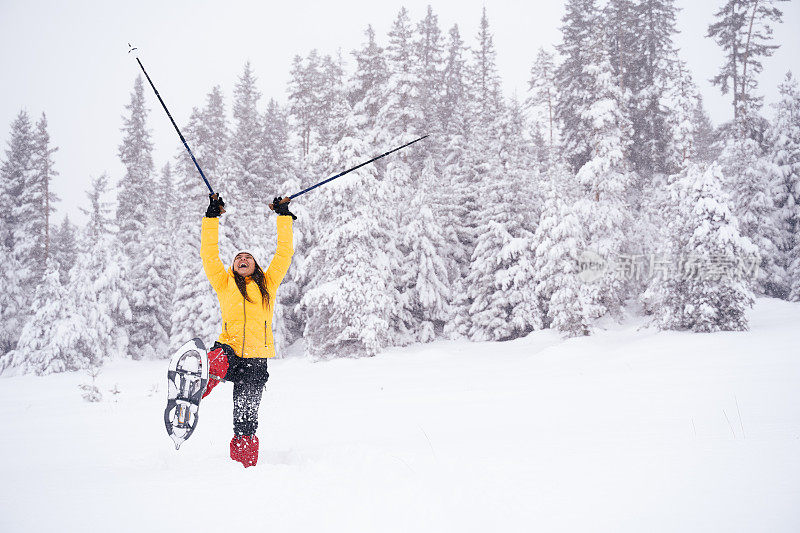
<point>629,430</point>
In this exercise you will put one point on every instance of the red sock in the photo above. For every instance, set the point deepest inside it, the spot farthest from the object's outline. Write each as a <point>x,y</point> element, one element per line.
<point>217,368</point>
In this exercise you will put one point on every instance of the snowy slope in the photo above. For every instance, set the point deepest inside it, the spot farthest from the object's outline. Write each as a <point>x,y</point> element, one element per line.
<point>624,431</point>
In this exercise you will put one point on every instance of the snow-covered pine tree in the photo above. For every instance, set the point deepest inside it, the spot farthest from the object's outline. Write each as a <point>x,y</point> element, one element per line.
<point>501,275</point>
<point>429,59</point>
<point>650,70</point>
<point>424,280</point>
<point>64,248</point>
<point>399,113</point>
<point>15,174</point>
<point>30,210</point>
<point>473,170</point>
<point>160,271</point>
<point>743,30</point>
<point>12,300</point>
<point>302,96</point>
<point>333,105</point>
<point>454,119</point>
<point>98,284</point>
<point>682,98</point>
<point>318,102</point>
<point>562,298</point>
<point>367,81</point>
<point>396,122</point>
<point>352,298</point>
<point>245,183</point>
<point>483,79</point>
<point>275,144</point>
<point>622,27</point>
<point>43,174</point>
<point>753,183</point>
<point>705,137</point>
<point>195,309</point>
<point>606,178</point>
<point>282,171</point>
<point>706,287</point>
<point>453,104</point>
<point>542,94</point>
<point>133,218</point>
<point>580,23</point>
<point>247,160</point>
<point>15,171</point>
<point>784,141</point>
<point>46,342</point>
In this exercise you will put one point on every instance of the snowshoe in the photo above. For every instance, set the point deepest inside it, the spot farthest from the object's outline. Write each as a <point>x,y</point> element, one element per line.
<point>187,378</point>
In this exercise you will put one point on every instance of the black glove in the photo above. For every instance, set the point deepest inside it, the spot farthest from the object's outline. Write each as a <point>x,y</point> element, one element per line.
<point>282,209</point>
<point>216,206</point>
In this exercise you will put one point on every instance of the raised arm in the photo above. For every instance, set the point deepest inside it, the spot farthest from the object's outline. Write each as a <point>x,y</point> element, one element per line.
<point>209,252</point>
<point>283,255</point>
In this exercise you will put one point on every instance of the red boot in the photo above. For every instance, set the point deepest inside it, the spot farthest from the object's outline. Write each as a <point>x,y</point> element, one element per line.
<point>245,450</point>
<point>217,368</point>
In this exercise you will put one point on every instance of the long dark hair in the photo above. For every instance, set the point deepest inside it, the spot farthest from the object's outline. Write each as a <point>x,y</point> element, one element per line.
<point>258,277</point>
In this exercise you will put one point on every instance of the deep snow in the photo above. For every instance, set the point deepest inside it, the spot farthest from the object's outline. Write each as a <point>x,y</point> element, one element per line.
<point>629,430</point>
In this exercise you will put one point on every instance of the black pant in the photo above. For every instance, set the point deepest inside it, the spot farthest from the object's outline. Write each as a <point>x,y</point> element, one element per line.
<point>249,376</point>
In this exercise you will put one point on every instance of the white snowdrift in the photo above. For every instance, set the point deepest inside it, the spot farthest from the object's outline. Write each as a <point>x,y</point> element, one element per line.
<point>629,430</point>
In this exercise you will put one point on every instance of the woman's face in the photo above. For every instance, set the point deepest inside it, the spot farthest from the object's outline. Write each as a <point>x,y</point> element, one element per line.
<point>244,264</point>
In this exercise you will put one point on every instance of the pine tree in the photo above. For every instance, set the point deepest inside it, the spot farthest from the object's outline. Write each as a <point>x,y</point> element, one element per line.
<point>704,288</point>
<point>15,176</point>
<point>563,300</point>
<point>453,105</point>
<point>580,23</point>
<point>705,137</point>
<point>743,30</point>
<point>45,341</point>
<point>542,93</point>
<point>454,196</point>
<point>247,161</point>
<point>754,184</point>
<point>301,101</point>
<point>654,59</point>
<point>317,100</point>
<point>98,284</point>
<point>15,172</point>
<point>429,58</point>
<point>133,218</point>
<point>369,76</point>
<point>606,178</point>
<point>400,111</point>
<point>483,79</point>
<point>622,28</point>
<point>13,300</point>
<point>784,141</point>
<point>161,248</point>
<point>683,98</point>
<point>501,273</point>
<point>275,143</point>
<point>424,279</point>
<point>195,310</point>
<point>351,303</point>
<point>43,174</point>
<point>64,249</point>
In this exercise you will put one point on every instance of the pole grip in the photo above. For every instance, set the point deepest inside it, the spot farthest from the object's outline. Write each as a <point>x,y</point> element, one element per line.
<point>284,200</point>
<point>215,196</point>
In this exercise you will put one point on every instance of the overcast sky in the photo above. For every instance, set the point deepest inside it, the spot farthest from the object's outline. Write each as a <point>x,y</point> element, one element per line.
<point>69,60</point>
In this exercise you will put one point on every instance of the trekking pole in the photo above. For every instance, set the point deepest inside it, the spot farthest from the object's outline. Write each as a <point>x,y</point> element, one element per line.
<point>289,198</point>
<point>185,144</point>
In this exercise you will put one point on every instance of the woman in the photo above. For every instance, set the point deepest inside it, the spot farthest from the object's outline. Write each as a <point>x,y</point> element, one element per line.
<point>247,299</point>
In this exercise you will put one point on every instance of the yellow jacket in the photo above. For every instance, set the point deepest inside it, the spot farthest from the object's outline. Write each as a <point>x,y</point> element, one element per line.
<point>247,325</point>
